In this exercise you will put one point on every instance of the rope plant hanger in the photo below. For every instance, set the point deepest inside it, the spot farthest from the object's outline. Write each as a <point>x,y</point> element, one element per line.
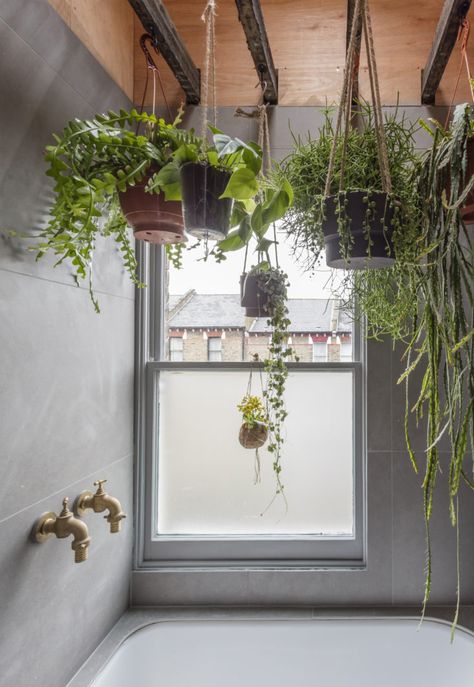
<point>152,218</point>
<point>359,224</point>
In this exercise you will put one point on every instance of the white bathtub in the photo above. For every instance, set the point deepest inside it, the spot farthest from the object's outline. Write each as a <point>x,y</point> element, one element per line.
<point>292,653</point>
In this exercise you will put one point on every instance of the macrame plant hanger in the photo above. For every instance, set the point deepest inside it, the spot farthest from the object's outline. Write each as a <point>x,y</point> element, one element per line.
<point>257,464</point>
<point>361,14</point>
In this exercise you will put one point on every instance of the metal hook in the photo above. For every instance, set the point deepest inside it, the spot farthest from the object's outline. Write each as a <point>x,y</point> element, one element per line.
<point>149,59</point>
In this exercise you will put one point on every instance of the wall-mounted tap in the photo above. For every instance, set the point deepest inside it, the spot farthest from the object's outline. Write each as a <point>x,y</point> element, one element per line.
<point>99,502</point>
<point>63,525</point>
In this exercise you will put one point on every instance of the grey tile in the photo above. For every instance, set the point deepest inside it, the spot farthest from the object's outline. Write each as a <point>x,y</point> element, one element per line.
<point>194,587</point>
<point>289,122</point>
<point>230,124</point>
<point>379,395</point>
<point>55,612</point>
<point>409,547</point>
<point>27,120</point>
<point>66,386</point>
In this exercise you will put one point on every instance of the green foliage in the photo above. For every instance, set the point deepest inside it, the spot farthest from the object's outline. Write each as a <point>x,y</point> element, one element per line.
<point>427,306</point>
<point>253,411</point>
<point>306,169</point>
<point>92,161</point>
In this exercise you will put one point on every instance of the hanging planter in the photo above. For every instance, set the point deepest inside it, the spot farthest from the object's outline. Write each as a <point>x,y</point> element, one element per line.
<point>252,296</point>
<point>206,214</point>
<point>253,435</point>
<point>358,229</point>
<point>151,217</point>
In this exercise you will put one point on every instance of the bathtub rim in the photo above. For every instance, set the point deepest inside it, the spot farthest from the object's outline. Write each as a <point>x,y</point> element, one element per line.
<point>136,619</point>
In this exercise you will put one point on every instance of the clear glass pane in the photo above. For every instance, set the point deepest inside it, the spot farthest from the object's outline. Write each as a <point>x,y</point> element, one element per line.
<point>204,301</point>
<point>206,478</point>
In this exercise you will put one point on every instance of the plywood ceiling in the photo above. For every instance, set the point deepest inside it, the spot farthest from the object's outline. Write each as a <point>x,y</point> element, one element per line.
<point>307,38</point>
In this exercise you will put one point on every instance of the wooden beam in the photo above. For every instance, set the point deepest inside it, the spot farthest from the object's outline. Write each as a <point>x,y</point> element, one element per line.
<point>350,17</point>
<point>251,18</point>
<point>452,16</point>
<point>157,22</point>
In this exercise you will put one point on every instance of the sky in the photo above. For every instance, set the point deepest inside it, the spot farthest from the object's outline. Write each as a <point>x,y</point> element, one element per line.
<point>211,277</point>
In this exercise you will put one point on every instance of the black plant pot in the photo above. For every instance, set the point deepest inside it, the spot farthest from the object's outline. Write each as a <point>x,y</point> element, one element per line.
<point>252,297</point>
<point>361,255</point>
<point>206,215</point>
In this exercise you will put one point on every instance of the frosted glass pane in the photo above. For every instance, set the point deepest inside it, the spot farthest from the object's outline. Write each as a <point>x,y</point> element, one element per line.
<point>206,477</point>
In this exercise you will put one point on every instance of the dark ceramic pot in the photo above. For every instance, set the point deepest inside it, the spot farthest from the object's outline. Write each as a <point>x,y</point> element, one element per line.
<point>151,217</point>
<point>252,296</point>
<point>380,253</point>
<point>206,214</point>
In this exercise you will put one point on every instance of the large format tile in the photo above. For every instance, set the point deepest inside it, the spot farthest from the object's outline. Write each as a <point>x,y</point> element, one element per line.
<point>409,545</point>
<point>54,612</point>
<point>28,119</point>
<point>379,395</point>
<point>66,386</point>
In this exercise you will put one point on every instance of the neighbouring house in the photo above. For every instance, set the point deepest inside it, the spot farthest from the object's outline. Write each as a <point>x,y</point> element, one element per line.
<point>214,327</point>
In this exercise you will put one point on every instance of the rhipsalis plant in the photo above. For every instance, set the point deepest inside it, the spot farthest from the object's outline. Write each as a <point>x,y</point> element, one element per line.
<point>427,307</point>
<point>306,171</point>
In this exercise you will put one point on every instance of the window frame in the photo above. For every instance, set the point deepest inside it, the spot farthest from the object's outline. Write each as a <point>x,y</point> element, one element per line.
<point>229,551</point>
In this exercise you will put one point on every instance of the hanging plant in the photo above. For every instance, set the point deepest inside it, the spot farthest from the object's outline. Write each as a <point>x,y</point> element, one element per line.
<point>427,306</point>
<point>253,432</point>
<point>93,164</point>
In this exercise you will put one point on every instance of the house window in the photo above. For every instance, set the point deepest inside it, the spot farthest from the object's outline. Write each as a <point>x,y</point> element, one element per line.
<point>320,352</point>
<point>214,349</point>
<point>176,348</point>
<point>202,505</point>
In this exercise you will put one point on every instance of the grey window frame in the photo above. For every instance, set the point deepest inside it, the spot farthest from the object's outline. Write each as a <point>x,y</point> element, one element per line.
<point>227,552</point>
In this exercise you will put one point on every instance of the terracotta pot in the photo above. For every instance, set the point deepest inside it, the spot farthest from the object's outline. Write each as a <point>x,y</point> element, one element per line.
<point>151,217</point>
<point>467,210</point>
<point>253,437</point>
<point>206,214</point>
<point>381,253</point>
<point>252,297</point>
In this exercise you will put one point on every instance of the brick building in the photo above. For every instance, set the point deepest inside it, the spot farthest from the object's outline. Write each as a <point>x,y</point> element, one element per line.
<point>213,327</point>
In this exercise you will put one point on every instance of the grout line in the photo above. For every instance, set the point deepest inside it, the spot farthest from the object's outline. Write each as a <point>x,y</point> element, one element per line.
<point>63,283</point>
<point>67,487</point>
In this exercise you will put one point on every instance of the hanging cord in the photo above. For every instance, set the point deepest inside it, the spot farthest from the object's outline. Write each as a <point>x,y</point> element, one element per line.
<point>463,38</point>
<point>345,87</point>
<point>209,18</point>
<point>151,66</point>
<point>361,12</point>
<point>375,88</point>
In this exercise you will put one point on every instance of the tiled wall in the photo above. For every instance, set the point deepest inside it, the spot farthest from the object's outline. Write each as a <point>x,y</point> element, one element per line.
<point>396,545</point>
<point>66,374</point>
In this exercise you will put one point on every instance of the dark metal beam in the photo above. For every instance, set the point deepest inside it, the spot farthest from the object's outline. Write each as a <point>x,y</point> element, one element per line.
<point>452,16</point>
<point>251,18</point>
<point>156,21</point>
<point>350,18</point>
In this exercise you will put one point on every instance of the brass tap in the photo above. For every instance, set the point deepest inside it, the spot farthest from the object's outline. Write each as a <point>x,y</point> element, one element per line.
<point>99,502</point>
<point>63,525</point>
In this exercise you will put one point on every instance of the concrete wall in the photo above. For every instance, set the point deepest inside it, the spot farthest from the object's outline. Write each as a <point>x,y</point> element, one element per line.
<point>395,544</point>
<point>66,374</point>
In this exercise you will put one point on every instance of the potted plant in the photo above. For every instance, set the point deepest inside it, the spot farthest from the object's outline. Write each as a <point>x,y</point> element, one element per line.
<point>96,166</point>
<point>254,429</point>
<point>360,226</point>
<point>210,177</point>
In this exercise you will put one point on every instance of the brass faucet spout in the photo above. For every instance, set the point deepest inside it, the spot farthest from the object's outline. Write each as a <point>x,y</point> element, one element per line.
<point>100,502</point>
<point>62,526</point>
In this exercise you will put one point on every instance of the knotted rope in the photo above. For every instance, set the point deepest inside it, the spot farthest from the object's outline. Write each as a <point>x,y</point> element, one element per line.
<point>361,14</point>
<point>209,18</point>
<point>463,38</point>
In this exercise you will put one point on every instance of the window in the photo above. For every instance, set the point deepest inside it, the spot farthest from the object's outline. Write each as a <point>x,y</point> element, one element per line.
<point>176,349</point>
<point>320,352</point>
<point>214,349</point>
<point>202,506</point>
